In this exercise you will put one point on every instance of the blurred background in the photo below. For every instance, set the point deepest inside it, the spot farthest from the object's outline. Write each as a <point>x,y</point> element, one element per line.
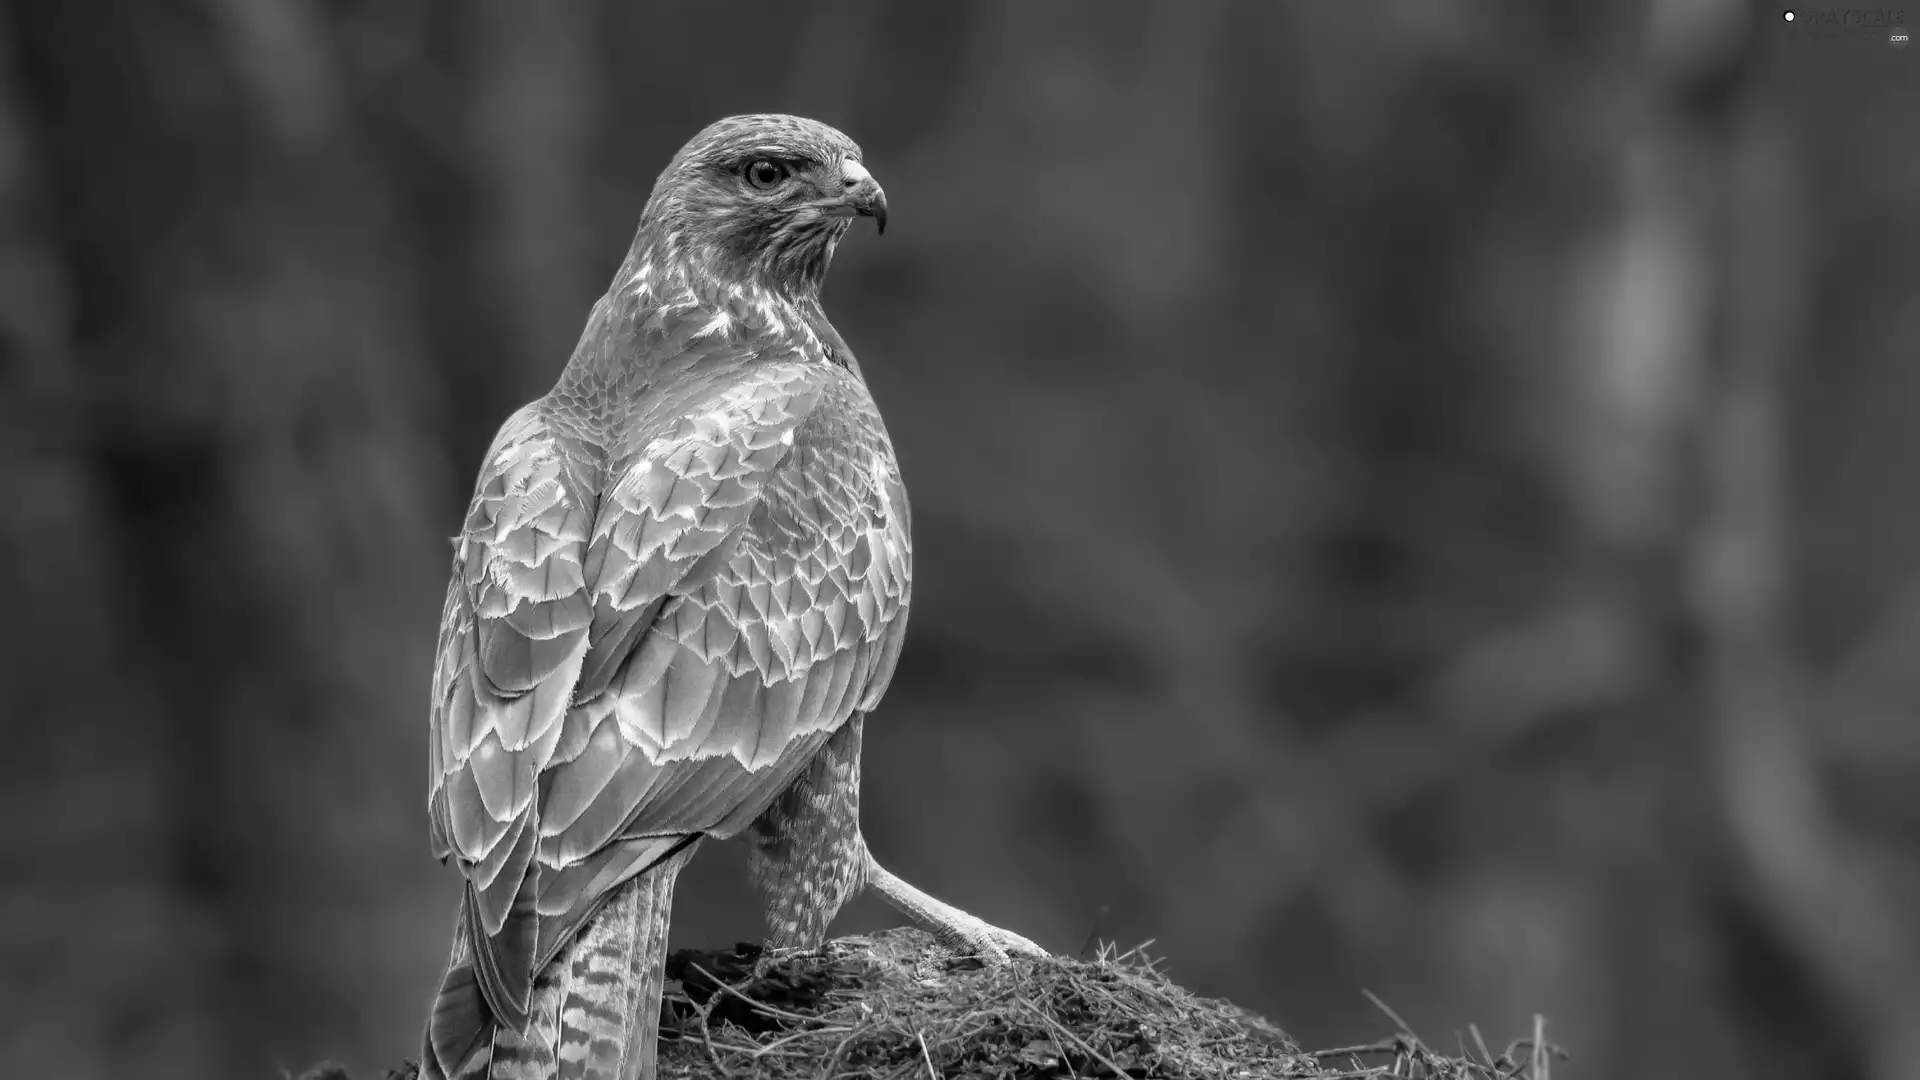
<point>1414,496</point>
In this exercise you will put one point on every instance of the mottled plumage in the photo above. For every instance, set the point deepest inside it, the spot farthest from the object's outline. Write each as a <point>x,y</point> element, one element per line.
<point>683,579</point>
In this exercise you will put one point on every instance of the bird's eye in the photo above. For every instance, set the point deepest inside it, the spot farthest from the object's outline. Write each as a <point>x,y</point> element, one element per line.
<point>766,174</point>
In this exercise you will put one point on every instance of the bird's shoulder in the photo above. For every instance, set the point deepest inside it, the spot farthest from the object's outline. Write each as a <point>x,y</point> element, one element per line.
<point>775,455</point>
<point>766,473</point>
<point>821,559</point>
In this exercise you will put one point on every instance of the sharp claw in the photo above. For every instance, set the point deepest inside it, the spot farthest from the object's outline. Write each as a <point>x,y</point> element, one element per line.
<point>773,955</point>
<point>993,945</point>
<point>1015,945</point>
<point>960,933</point>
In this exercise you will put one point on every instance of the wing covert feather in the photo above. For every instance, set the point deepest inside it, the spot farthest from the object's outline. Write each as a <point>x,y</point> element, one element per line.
<point>661,660</point>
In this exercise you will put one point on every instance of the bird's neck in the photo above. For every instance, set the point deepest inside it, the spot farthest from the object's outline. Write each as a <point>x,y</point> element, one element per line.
<point>785,265</point>
<point>676,315</point>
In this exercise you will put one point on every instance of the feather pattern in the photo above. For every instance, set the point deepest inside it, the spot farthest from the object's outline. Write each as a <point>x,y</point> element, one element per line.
<point>696,723</point>
<point>806,855</point>
<point>682,571</point>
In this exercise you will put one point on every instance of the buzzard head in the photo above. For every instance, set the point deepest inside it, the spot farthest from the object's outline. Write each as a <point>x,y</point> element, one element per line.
<point>762,199</point>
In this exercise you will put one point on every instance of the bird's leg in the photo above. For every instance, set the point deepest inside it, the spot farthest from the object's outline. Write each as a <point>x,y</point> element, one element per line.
<point>805,852</point>
<point>808,858</point>
<point>964,934</point>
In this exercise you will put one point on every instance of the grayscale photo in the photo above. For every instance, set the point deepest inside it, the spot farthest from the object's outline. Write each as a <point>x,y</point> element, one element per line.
<point>968,540</point>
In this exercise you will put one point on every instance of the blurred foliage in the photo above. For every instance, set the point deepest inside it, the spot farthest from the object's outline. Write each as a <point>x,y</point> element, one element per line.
<point>1408,495</point>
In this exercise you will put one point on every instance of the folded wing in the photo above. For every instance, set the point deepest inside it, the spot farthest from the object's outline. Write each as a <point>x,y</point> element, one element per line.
<point>612,683</point>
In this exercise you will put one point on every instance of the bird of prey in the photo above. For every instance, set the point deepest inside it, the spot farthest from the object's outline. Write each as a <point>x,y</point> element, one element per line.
<point>682,583</point>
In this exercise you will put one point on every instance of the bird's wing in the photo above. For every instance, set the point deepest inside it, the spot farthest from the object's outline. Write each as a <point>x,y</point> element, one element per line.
<point>740,591</point>
<point>513,634</point>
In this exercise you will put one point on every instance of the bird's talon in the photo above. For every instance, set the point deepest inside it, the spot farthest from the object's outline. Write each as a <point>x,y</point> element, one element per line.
<point>773,956</point>
<point>1017,946</point>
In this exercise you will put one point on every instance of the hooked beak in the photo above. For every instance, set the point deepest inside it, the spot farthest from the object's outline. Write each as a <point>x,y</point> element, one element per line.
<point>862,193</point>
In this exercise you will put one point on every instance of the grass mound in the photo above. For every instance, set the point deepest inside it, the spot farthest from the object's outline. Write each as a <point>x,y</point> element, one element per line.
<point>891,1007</point>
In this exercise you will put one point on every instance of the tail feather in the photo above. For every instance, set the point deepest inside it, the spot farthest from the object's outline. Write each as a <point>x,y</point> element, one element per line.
<point>608,1006</point>
<point>460,1025</point>
<point>504,964</point>
<point>595,1009</point>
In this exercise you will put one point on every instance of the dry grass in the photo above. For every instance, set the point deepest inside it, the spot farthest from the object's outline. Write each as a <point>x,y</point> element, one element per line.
<point>890,1007</point>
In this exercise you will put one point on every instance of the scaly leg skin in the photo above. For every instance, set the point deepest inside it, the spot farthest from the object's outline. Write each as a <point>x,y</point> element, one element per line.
<point>955,930</point>
<point>808,858</point>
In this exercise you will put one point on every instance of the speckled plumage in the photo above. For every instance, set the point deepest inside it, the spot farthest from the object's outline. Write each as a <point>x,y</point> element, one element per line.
<point>806,854</point>
<point>683,578</point>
